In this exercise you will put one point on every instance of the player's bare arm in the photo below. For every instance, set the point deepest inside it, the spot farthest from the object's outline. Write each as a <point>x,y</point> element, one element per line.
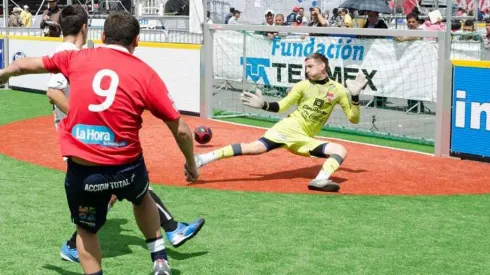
<point>183,135</point>
<point>58,98</point>
<point>28,65</point>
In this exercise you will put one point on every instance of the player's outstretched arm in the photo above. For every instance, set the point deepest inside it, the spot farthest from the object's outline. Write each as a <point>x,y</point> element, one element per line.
<point>351,107</point>
<point>257,100</point>
<point>28,65</point>
<point>183,135</point>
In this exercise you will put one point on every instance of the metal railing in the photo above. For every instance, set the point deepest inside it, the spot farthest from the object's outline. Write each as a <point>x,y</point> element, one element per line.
<point>168,36</point>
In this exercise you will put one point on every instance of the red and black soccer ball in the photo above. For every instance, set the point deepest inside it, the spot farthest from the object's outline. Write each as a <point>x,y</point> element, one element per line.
<point>202,134</point>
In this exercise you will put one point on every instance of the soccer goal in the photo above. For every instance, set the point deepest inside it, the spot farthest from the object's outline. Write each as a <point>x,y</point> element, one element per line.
<point>405,72</point>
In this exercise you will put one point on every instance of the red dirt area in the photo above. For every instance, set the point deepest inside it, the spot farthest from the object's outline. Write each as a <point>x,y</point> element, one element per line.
<point>366,170</point>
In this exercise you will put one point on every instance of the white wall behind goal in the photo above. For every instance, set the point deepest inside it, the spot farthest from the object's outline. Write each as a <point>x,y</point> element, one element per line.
<point>178,66</point>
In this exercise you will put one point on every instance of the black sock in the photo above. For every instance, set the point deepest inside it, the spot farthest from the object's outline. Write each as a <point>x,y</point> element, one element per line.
<point>167,224</point>
<point>72,242</point>
<point>96,273</point>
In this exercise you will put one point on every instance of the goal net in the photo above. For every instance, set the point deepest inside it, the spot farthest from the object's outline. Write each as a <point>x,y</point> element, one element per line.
<point>398,102</point>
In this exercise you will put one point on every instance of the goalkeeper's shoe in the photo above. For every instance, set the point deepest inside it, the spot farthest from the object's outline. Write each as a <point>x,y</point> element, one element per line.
<point>323,185</point>
<point>69,253</point>
<point>161,267</point>
<point>199,161</point>
<point>184,232</point>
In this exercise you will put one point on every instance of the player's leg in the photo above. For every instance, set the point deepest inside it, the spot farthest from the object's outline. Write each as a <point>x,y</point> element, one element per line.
<point>87,198</point>
<point>232,150</point>
<point>89,251</point>
<point>334,154</point>
<point>177,232</point>
<point>274,138</point>
<point>69,250</point>
<point>145,211</point>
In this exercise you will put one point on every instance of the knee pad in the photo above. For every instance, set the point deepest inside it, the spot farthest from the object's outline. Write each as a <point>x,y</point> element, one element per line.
<point>319,151</point>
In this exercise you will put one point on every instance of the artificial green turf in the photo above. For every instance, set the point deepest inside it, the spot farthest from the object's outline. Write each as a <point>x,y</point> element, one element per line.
<point>247,233</point>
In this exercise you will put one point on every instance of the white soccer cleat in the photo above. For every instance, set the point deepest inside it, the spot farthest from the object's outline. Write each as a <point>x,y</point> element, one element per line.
<point>161,267</point>
<point>325,185</point>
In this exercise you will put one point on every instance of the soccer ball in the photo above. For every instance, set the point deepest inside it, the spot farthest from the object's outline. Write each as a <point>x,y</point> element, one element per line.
<point>202,134</point>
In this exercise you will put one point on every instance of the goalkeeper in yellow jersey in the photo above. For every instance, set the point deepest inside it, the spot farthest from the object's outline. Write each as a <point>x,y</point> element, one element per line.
<point>316,98</point>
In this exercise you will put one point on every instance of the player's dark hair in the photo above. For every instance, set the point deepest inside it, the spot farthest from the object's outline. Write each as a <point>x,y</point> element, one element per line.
<point>487,21</point>
<point>318,57</point>
<point>121,28</point>
<point>72,19</point>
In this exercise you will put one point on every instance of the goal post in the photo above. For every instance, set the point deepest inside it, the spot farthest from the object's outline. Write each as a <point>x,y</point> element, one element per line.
<point>407,79</point>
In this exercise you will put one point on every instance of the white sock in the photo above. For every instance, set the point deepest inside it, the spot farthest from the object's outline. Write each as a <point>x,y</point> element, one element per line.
<point>156,245</point>
<point>209,157</point>
<point>323,175</point>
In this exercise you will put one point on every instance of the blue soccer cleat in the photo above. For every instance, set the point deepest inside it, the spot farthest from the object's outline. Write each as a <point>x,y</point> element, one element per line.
<point>184,232</point>
<point>69,254</point>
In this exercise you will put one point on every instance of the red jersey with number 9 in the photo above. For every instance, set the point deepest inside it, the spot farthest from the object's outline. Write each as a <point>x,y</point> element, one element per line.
<point>109,90</point>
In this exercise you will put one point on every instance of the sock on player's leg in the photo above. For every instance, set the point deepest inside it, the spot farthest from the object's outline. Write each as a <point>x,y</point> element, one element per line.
<point>167,222</point>
<point>96,273</point>
<point>229,151</point>
<point>330,166</point>
<point>72,242</point>
<point>157,249</point>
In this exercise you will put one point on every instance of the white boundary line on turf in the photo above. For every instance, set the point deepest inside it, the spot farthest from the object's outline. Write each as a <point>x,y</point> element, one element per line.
<point>321,137</point>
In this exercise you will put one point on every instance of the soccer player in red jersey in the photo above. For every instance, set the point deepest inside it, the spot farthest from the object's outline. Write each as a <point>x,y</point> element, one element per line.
<point>110,89</point>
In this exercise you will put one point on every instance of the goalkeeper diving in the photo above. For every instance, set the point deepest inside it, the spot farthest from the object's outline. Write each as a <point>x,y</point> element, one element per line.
<point>316,98</point>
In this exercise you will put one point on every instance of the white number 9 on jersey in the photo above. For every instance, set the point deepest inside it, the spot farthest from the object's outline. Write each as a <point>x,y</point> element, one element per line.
<point>109,93</point>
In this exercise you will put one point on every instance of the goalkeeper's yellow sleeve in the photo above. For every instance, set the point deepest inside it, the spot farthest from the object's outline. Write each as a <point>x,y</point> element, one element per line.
<point>293,97</point>
<point>351,111</point>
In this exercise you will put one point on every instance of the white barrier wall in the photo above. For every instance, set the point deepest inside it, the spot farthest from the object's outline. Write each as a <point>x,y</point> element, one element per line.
<point>177,64</point>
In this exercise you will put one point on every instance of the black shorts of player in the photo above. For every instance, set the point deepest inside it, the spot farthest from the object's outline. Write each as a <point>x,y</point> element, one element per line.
<point>89,189</point>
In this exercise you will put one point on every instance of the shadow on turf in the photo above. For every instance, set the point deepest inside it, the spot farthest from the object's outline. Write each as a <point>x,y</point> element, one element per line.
<point>115,243</point>
<point>304,172</point>
<point>62,271</point>
<point>59,270</point>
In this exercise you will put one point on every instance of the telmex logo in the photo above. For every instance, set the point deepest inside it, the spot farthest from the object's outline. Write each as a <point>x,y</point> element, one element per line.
<point>476,110</point>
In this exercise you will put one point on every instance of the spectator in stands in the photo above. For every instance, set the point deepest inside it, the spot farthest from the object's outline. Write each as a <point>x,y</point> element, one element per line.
<point>374,22</point>
<point>346,19</point>
<point>334,20</point>
<point>50,19</point>
<point>229,15</point>
<point>304,20</point>
<point>436,26</point>
<point>291,20</point>
<point>279,20</point>
<point>455,26</point>
<point>234,19</point>
<point>486,14</point>
<point>412,24</point>
<point>26,17</point>
<point>469,32</point>
<point>317,19</point>
<point>486,38</point>
<point>14,19</point>
<point>269,21</point>
<point>208,17</point>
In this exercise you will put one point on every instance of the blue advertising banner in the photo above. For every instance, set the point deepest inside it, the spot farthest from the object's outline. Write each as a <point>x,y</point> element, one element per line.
<point>470,125</point>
